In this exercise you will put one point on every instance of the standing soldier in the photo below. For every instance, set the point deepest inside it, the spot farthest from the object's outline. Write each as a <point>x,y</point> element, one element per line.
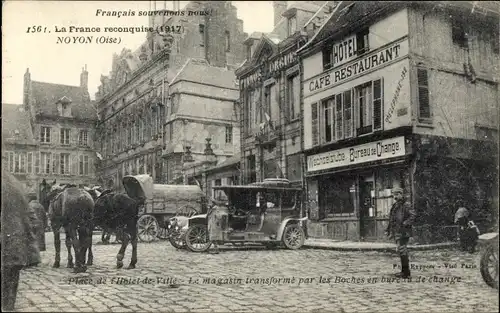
<point>38,219</point>
<point>401,220</point>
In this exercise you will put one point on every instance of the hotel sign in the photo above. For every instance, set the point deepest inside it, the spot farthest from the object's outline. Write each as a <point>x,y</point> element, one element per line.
<point>373,151</point>
<point>360,66</point>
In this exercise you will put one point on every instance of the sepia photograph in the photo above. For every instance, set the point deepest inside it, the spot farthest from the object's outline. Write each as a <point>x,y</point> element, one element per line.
<point>250,156</point>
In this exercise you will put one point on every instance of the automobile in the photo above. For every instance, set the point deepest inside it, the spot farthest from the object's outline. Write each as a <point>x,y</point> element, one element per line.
<point>267,213</point>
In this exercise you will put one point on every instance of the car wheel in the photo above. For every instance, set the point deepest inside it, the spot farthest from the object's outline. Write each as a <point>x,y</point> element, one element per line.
<point>293,236</point>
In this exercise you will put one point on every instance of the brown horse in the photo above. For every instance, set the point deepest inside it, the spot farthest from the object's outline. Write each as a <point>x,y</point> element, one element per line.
<point>71,208</point>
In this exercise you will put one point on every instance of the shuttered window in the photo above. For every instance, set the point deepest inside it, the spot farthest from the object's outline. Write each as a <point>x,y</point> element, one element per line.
<point>424,110</point>
<point>29,168</point>
<point>315,124</point>
<point>339,125</point>
<point>37,162</point>
<point>328,125</point>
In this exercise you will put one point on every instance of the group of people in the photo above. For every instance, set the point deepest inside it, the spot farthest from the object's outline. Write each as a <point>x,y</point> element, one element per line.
<point>22,232</point>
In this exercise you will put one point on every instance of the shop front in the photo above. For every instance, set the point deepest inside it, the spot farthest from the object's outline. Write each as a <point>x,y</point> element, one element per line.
<point>350,188</point>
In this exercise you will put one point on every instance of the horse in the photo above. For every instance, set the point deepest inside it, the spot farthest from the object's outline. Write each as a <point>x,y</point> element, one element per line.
<point>72,208</point>
<point>96,192</point>
<point>119,213</point>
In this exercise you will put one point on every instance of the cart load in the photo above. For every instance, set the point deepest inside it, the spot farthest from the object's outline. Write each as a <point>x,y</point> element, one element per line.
<point>161,202</point>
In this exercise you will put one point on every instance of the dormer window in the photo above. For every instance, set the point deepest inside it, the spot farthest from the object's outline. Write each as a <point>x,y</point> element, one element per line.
<point>249,52</point>
<point>292,25</point>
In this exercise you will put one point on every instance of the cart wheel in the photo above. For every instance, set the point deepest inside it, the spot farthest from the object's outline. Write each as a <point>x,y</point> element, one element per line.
<point>196,238</point>
<point>293,236</point>
<point>176,239</point>
<point>147,228</point>
<point>489,265</point>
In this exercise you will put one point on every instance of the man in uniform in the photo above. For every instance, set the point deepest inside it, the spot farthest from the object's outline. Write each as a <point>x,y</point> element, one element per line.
<point>401,219</point>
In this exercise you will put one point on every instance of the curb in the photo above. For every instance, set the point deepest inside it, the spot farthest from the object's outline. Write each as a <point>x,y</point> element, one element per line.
<point>438,246</point>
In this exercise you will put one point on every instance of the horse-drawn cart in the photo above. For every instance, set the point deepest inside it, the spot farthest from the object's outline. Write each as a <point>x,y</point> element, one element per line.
<point>162,202</point>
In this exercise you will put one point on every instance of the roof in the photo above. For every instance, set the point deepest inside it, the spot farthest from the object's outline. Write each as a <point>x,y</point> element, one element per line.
<point>198,70</point>
<point>349,14</point>
<point>16,127</point>
<point>46,96</point>
<point>234,160</point>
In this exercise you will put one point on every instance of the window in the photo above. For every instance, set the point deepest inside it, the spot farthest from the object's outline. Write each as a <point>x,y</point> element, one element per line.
<point>84,165</point>
<point>19,163</point>
<point>327,57</point>
<point>251,172</point>
<point>459,33</point>
<point>66,109</point>
<point>292,25</point>
<point>315,124</point>
<point>45,134</point>
<point>335,196</point>
<point>10,161</point>
<point>365,108</point>
<point>202,34</point>
<point>218,194</point>
<point>65,133</point>
<point>293,167</point>
<point>45,162</point>
<point>83,138</point>
<point>293,95</point>
<point>228,41</point>
<point>64,163</point>
<point>229,134</point>
<point>29,169</point>
<point>328,120</point>
<point>424,110</point>
<point>362,42</point>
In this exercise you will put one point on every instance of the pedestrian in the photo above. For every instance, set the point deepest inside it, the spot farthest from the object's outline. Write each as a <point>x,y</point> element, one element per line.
<point>468,233</point>
<point>19,244</point>
<point>401,219</point>
<point>38,219</point>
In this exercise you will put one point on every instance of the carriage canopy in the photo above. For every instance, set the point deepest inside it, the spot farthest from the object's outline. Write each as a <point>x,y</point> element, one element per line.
<point>142,186</point>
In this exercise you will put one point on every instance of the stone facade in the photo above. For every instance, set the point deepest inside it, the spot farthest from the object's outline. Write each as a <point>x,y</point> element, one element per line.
<point>416,109</point>
<point>171,94</point>
<point>270,96</point>
<point>62,120</point>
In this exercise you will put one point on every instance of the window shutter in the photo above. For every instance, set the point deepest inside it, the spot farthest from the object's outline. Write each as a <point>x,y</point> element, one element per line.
<point>37,163</point>
<point>314,124</point>
<point>423,94</point>
<point>339,126</point>
<point>11,162</point>
<point>378,100</point>
<point>80,165</point>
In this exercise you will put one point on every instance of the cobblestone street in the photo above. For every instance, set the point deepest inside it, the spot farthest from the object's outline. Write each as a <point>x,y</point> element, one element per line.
<point>318,280</point>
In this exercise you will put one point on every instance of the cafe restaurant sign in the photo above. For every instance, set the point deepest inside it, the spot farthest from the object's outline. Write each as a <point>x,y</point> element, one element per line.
<point>357,67</point>
<point>373,151</point>
<point>269,68</point>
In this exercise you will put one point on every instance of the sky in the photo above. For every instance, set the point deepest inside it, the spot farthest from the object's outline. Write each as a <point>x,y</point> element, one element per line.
<point>62,63</point>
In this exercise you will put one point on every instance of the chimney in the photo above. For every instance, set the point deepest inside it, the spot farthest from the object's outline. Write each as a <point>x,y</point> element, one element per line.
<point>215,33</point>
<point>279,7</point>
<point>84,79</point>
<point>27,89</point>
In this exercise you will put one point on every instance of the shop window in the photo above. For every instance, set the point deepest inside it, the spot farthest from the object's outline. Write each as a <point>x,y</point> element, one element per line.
<point>424,109</point>
<point>386,179</point>
<point>336,195</point>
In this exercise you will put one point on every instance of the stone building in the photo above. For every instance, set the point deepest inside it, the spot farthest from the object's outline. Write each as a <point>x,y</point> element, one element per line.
<point>270,94</point>
<point>171,94</point>
<point>401,94</point>
<point>62,120</point>
<point>19,147</point>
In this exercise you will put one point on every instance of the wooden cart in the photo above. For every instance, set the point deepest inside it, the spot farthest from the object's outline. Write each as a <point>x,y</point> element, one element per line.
<point>162,202</point>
